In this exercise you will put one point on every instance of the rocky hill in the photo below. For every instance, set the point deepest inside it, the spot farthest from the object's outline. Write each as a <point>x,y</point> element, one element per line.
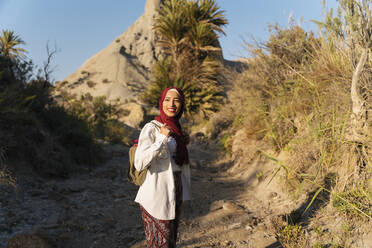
<point>122,69</point>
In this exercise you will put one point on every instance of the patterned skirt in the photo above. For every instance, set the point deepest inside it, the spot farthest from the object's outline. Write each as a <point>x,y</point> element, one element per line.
<point>163,233</point>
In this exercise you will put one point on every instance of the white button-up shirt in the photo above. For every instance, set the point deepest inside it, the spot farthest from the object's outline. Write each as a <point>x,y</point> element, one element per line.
<point>157,193</point>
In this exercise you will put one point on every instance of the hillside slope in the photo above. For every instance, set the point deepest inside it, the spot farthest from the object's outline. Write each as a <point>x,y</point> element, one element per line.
<point>122,69</point>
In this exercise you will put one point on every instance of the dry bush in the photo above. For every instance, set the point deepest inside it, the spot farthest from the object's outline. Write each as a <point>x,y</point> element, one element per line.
<point>102,117</point>
<point>5,176</point>
<point>292,236</point>
<point>220,122</point>
<point>245,108</point>
<point>91,84</point>
<point>275,91</point>
<point>295,96</point>
<point>6,179</point>
<point>289,236</point>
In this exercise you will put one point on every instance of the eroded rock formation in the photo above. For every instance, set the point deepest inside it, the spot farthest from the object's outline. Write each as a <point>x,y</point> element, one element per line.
<point>122,69</point>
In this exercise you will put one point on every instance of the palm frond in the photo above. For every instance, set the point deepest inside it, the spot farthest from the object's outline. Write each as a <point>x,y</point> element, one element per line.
<point>188,31</point>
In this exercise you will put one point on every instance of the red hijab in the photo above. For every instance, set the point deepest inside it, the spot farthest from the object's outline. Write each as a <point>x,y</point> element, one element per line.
<point>182,155</point>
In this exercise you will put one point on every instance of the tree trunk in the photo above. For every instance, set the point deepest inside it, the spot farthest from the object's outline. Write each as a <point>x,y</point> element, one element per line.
<point>358,118</point>
<point>176,62</point>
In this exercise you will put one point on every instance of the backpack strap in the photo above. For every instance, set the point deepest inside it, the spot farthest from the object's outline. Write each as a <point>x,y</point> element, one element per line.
<point>134,176</point>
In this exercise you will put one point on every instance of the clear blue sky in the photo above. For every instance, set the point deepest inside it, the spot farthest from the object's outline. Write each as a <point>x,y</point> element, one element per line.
<point>81,28</point>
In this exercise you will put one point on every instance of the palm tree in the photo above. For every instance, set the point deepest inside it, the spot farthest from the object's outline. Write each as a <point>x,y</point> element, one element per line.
<point>8,45</point>
<point>188,31</point>
<point>171,26</point>
<point>209,12</point>
<point>189,25</point>
<point>185,25</point>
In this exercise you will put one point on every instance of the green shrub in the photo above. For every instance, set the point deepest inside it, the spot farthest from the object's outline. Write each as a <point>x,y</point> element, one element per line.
<point>48,137</point>
<point>61,84</point>
<point>115,132</point>
<point>101,118</point>
<point>5,175</point>
<point>226,143</point>
<point>91,84</point>
<point>87,97</point>
<point>347,202</point>
<point>291,236</point>
<point>74,134</point>
<point>323,245</point>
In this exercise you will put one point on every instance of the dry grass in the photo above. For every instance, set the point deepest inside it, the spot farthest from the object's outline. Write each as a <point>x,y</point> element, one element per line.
<point>295,97</point>
<point>5,176</point>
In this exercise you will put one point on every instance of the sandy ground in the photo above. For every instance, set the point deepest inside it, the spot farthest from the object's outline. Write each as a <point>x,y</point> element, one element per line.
<point>96,208</point>
<point>225,210</point>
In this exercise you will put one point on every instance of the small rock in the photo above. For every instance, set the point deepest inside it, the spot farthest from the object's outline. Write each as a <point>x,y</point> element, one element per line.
<point>227,242</point>
<point>273,194</point>
<point>234,226</point>
<point>253,221</point>
<point>216,205</point>
<point>261,226</point>
<point>228,205</point>
<point>248,227</point>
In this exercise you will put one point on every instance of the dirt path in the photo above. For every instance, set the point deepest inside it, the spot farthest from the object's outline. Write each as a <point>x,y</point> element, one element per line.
<point>96,208</point>
<point>224,211</point>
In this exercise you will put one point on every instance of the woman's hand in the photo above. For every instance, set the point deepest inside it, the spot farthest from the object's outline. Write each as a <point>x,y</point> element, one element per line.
<point>165,130</point>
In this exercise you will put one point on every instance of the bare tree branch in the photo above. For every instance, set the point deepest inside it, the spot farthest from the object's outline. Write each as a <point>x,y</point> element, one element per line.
<point>47,68</point>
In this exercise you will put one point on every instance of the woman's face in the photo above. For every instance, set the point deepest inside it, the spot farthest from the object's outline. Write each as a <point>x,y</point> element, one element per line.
<point>172,103</point>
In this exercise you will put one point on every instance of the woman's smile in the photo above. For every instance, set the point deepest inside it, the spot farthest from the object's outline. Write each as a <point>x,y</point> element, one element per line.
<point>172,103</point>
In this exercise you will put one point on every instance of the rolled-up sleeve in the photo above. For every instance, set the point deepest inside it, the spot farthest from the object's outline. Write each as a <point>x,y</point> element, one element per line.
<point>150,145</point>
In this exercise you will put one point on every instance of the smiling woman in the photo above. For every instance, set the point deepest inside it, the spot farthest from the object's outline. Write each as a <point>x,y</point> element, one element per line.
<point>163,151</point>
<point>172,103</point>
